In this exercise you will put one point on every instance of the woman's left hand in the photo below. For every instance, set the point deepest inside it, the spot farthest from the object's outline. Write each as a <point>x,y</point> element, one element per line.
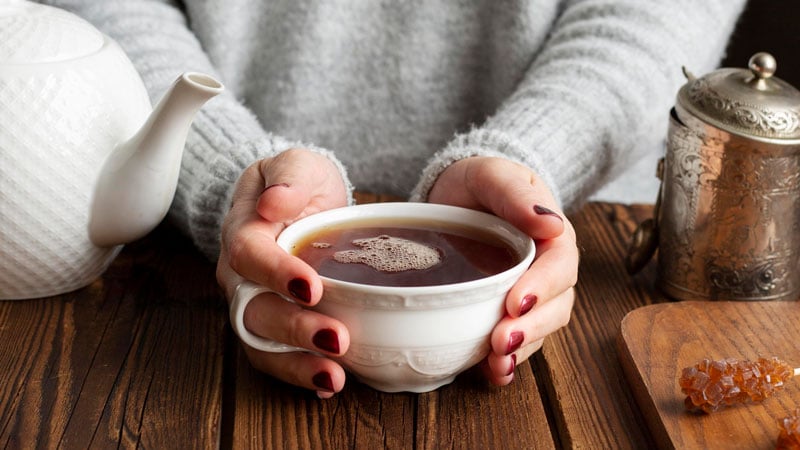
<point>541,301</point>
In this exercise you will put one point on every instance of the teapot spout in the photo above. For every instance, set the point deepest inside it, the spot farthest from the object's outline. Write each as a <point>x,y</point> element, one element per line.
<point>138,180</point>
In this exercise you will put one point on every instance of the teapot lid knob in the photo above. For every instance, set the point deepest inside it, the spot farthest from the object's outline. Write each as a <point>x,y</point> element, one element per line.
<point>763,65</point>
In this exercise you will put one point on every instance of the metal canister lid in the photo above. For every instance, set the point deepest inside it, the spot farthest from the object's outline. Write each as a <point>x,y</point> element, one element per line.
<point>751,103</point>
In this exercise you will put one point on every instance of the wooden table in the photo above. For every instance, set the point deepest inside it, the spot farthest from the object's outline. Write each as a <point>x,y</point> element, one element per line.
<point>145,357</point>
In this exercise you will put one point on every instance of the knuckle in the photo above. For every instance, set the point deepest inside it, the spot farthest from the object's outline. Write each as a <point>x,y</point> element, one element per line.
<point>566,319</point>
<point>296,333</point>
<point>238,249</point>
<point>572,279</point>
<point>567,315</point>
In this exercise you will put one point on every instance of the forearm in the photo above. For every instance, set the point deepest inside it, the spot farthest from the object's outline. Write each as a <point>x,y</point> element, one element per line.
<point>599,93</point>
<point>225,136</point>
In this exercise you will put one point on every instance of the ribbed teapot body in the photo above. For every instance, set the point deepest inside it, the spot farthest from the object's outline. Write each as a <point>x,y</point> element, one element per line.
<point>60,122</point>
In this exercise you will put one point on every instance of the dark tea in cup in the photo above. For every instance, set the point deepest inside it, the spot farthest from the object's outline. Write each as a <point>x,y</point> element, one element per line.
<point>405,253</point>
<point>420,288</point>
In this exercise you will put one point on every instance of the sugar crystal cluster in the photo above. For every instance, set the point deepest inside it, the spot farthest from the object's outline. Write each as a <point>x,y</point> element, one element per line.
<point>712,384</point>
<point>789,439</point>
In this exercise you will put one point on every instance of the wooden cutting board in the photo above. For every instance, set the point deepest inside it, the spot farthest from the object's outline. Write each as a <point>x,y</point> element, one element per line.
<point>657,341</point>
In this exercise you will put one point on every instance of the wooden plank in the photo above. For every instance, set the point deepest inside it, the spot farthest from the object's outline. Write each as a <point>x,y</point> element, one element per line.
<point>267,413</point>
<point>135,359</point>
<point>470,413</point>
<point>466,414</point>
<point>658,341</point>
<point>594,407</point>
<point>366,197</point>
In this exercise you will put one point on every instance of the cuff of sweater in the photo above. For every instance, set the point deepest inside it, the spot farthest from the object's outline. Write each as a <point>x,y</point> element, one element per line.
<point>480,142</point>
<point>208,190</point>
<point>339,166</point>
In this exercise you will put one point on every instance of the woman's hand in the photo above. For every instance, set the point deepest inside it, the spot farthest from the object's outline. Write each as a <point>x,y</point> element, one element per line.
<point>271,194</point>
<point>541,301</point>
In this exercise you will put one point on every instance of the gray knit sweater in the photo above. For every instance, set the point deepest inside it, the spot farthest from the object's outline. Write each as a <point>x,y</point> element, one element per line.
<point>395,91</point>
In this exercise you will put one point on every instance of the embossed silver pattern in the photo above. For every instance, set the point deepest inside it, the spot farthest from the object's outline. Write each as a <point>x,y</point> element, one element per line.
<point>727,219</point>
<point>730,217</point>
<point>744,117</point>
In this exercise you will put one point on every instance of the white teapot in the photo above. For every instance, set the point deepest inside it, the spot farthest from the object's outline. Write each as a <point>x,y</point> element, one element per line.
<point>86,164</point>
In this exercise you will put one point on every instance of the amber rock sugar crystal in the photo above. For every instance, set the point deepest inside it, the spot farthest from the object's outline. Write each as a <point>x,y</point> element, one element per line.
<point>712,384</point>
<point>789,439</point>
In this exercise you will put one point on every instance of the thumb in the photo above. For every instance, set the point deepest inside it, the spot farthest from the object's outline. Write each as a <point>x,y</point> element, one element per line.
<point>504,188</point>
<point>298,182</point>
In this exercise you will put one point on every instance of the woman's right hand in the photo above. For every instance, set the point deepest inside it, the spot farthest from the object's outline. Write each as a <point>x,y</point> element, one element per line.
<point>271,194</point>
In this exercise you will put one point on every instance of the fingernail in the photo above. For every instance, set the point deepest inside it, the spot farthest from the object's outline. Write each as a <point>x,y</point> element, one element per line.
<point>326,339</point>
<point>541,210</point>
<point>527,303</point>
<point>300,290</point>
<point>513,365</point>
<point>514,341</point>
<point>323,381</point>
<point>276,184</point>
<point>324,395</point>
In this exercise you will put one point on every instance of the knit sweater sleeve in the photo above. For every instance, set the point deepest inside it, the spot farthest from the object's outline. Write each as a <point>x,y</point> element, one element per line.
<point>598,93</point>
<point>225,136</point>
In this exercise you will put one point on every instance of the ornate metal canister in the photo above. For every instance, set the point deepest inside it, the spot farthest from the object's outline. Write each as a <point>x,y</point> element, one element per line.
<point>727,223</point>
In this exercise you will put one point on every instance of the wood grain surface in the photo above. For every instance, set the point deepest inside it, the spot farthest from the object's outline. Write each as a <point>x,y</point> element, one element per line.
<point>144,357</point>
<point>466,414</point>
<point>133,360</point>
<point>658,341</point>
<point>580,363</point>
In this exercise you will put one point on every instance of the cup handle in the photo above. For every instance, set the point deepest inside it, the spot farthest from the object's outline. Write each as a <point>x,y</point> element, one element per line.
<point>245,292</point>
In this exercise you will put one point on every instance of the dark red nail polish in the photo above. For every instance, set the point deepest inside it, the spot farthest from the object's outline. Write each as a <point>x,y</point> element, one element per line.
<point>326,339</point>
<point>276,184</point>
<point>514,341</point>
<point>513,365</point>
<point>527,303</point>
<point>541,210</point>
<point>323,381</point>
<point>300,290</point>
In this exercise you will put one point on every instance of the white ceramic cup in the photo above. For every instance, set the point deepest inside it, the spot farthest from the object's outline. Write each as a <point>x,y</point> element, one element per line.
<point>404,338</point>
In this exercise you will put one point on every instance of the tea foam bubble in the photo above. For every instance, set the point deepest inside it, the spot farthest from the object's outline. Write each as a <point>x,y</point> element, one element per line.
<point>390,254</point>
